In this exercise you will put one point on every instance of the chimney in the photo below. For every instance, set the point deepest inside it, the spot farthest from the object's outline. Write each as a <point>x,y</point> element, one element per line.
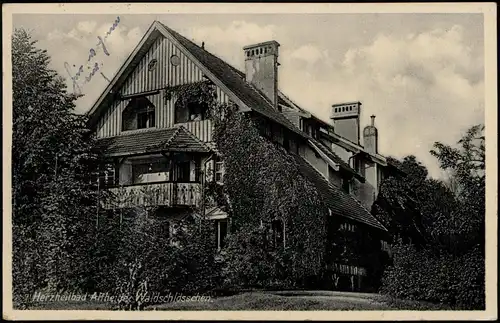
<point>345,120</point>
<point>370,137</point>
<point>261,68</point>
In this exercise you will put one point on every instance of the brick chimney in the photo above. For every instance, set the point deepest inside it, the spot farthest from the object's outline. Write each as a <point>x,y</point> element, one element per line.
<point>370,137</point>
<point>261,68</point>
<point>345,119</point>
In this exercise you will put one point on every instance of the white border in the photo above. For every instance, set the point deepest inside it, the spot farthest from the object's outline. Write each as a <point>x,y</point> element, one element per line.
<point>489,12</point>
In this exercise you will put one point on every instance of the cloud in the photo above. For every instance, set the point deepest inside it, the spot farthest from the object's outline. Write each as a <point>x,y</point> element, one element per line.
<point>74,47</point>
<point>423,87</point>
<point>228,42</point>
<point>240,32</point>
<point>307,53</point>
<point>86,26</point>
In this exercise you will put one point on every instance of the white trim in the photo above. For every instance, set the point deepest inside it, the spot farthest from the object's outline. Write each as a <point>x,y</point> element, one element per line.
<point>353,148</point>
<point>217,216</point>
<point>330,162</point>
<point>129,60</point>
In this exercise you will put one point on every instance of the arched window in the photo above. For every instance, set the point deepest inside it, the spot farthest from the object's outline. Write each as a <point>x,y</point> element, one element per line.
<point>187,110</point>
<point>139,114</point>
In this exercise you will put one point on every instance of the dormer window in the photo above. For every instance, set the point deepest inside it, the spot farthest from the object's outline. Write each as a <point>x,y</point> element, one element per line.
<point>139,114</point>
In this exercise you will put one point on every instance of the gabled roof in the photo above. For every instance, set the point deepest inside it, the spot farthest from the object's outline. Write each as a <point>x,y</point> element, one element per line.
<point>184,140</point>
<point>317,145</point>
<point>234,81</point>
<point>339,202</point>
<point>222,74</point>
<point>293,111</point>
<point>148,141</point>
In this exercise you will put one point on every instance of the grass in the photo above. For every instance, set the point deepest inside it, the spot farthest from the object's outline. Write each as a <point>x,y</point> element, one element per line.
<point>269,301</point>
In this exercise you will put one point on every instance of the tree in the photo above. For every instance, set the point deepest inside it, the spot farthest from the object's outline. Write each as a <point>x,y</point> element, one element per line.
<point>447,264</point>
<point>51,157</point>
<point>467,163</point>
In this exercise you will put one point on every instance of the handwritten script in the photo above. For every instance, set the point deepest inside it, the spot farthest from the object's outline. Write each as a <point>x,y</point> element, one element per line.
<point>76,77</point>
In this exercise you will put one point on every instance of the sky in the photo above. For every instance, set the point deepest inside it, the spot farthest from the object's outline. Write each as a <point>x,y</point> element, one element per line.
<point>422,75</point>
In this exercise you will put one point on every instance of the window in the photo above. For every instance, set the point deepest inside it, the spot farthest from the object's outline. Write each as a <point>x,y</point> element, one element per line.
<point>346,185</point>
<point>347,227</point>
<point>286,143</point>
<point>139,114</point>
<point>146,119</point>
<point>384,245</point>
<point>219,172</point>
<point>294,147</point>
<point>221,229</point>
<point>360,166</point>
<point>152,64</point>
<point>183,172</point>
<point>190,111</point>
<point>150,171</point>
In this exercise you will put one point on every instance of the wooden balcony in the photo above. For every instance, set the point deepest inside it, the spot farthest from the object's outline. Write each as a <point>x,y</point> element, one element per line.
<point>155,194</point>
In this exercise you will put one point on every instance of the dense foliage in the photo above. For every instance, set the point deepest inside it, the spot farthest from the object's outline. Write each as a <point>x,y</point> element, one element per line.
<point>438,228</point>
<point>263,184</point>
<point>51,155</point>
<point>64,240</point>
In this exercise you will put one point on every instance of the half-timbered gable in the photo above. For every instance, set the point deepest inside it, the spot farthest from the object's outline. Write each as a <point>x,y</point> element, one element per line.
<point>164,65</point>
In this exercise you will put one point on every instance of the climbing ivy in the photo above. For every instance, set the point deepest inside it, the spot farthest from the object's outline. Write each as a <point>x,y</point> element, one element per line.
<point>202,92</point>
<point>263,183</point>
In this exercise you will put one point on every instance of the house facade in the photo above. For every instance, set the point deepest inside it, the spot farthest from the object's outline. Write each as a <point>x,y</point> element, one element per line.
<point>157,138</point>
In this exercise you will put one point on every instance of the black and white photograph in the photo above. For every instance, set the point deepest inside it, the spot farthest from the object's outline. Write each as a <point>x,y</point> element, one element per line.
<point>253,159</point>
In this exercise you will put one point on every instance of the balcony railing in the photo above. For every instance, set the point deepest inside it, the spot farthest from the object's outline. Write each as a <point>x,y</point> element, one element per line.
<point>154,194</point>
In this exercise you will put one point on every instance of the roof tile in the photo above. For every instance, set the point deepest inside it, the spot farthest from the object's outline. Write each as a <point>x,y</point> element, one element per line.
<point>341,203</point>
<point>151,140</point>
<point>235,81</point>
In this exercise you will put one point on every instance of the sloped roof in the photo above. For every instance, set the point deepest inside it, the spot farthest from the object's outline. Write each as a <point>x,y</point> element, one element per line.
<point>333,156</point>
<point>142,142</point>
<point>235,81</point>
<point>184,140</point>
<point>231,77</point>
<point>341,203</point>
<point>293,116</point>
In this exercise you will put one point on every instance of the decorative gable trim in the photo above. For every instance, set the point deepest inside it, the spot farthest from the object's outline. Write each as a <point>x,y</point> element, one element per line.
<point>144,45</point>
<point>195,144</point>
<point>131,57</point>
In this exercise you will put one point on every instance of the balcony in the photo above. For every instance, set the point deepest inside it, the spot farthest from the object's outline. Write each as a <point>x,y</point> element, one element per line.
<point>168,194</point>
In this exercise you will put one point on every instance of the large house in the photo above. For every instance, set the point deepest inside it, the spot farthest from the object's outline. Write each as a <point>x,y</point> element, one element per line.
<point>160,145</point>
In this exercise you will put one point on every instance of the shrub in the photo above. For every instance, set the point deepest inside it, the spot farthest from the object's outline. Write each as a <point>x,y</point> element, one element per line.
<point>136,260</point>
<point>251,262</point>
<point>444,279</point>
